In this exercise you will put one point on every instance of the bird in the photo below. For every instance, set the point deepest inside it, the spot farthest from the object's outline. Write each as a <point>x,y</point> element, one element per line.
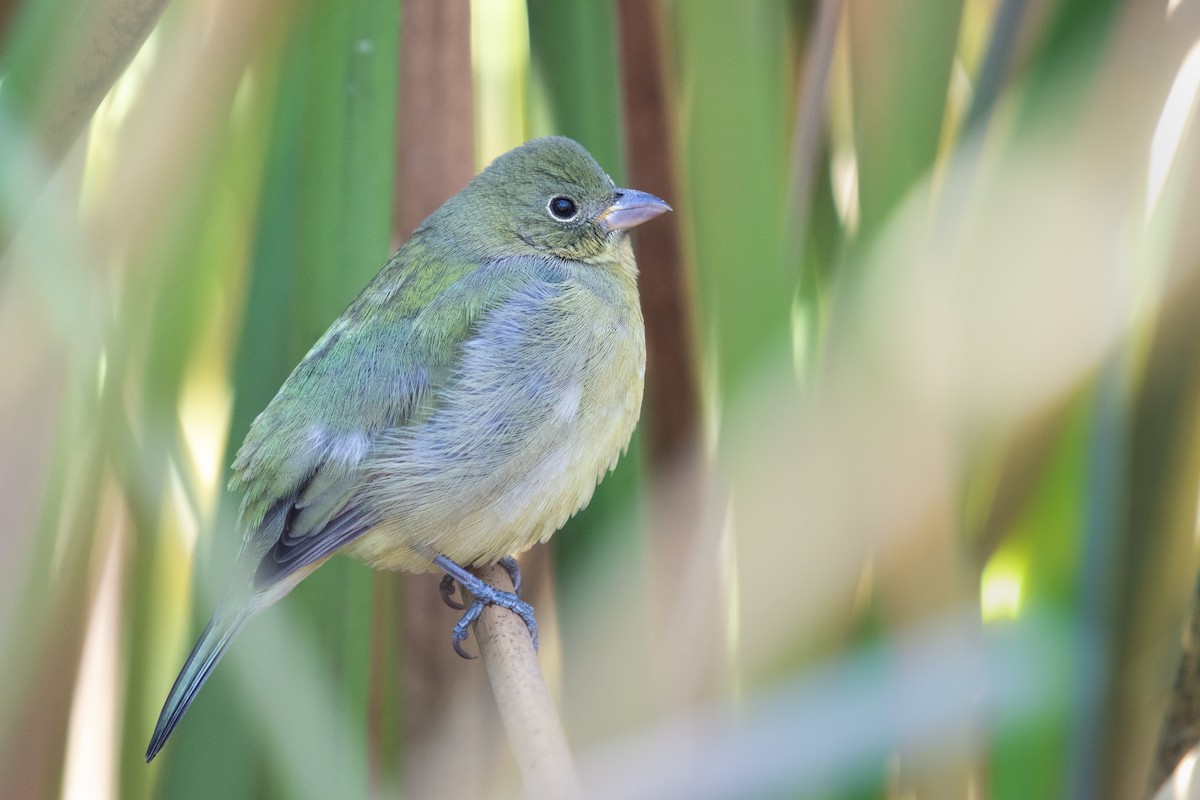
<point>461,409</point>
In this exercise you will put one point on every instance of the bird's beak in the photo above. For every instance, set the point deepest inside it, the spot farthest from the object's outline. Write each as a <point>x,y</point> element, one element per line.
<point>630,208</point>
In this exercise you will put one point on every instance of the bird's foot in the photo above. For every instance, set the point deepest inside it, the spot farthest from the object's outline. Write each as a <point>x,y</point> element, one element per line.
<point>446,587</point>
<point>484,594</point>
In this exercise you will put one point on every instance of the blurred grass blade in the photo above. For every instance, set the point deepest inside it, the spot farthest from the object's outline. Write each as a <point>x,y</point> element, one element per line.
<point>734,133</point>
<point>576,76</point>
<point>825,728</point>
<point>58,60</point>
<point>901,55</point>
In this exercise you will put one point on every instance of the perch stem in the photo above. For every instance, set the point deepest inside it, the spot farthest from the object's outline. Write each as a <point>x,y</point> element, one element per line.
<point>523,698</point>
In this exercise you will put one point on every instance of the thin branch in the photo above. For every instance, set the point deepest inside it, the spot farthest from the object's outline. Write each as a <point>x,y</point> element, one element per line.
<point>526,707</point>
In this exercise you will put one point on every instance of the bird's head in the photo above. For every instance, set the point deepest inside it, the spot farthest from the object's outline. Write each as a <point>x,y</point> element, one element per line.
<point>546,197</point>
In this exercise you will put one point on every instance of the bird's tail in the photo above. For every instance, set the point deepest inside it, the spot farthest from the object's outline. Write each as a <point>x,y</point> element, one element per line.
<point>211,645</point>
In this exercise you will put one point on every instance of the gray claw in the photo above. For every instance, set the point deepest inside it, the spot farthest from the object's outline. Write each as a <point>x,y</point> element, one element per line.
<point>514,572</point>
<point>463,628</point>
<point>446,590</point>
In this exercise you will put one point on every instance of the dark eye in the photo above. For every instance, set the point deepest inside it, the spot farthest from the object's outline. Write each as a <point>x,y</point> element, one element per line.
<point>563,208</point>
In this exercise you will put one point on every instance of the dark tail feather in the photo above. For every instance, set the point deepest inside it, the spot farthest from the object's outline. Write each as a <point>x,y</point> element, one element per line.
<point>199,665</point>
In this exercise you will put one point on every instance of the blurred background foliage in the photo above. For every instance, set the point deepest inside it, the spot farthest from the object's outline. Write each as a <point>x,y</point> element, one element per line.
<point>912,508</point>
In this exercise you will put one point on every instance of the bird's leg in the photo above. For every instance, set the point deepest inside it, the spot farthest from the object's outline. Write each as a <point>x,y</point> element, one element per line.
<point>484,594</point>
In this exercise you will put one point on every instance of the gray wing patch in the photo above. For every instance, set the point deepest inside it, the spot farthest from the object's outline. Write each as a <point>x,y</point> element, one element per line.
<point>319,519</point>
<point>290,553</point>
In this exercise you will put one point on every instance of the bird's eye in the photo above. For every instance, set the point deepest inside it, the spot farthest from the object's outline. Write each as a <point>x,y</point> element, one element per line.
<point>562,208</point>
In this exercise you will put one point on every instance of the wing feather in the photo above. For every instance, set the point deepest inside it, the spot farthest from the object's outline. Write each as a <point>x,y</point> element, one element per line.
<point>373,373</point>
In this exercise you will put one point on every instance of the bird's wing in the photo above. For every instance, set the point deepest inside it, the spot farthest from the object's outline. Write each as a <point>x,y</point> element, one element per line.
<point>381,366</point>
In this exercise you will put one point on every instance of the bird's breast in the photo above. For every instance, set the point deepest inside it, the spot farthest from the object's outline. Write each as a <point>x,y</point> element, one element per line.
<point>544,399</point>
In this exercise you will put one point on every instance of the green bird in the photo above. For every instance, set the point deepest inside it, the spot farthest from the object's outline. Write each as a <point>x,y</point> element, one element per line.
<point>462,408</point>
